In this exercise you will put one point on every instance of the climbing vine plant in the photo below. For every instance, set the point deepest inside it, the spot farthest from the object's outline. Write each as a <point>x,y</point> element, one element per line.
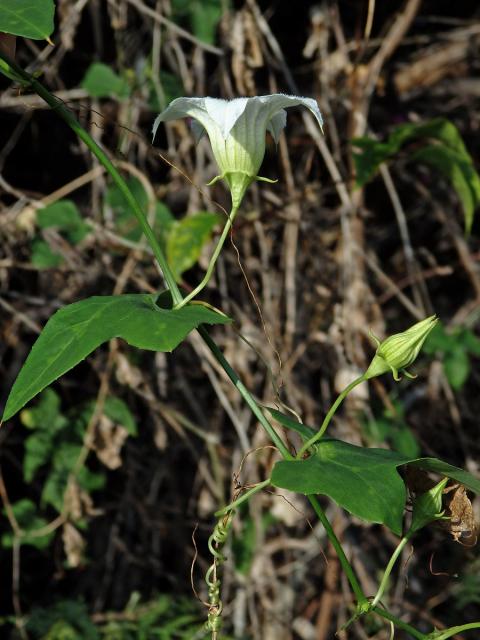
<point>363,481</point>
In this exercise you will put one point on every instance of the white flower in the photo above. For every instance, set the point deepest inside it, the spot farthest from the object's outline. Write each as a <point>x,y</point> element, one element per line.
<point>236,129</point>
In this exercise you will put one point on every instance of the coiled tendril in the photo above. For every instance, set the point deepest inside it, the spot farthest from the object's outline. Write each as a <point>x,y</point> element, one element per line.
<point>215,545</point>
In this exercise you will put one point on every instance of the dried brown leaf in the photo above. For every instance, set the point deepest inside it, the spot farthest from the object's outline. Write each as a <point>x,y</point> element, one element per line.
<point>73,544</point>
<point>108,442</point>
<point>462,524</point>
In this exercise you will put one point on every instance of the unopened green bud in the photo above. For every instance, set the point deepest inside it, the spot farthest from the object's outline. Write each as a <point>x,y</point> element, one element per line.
<point>427,507</point>
<point>399,351</point>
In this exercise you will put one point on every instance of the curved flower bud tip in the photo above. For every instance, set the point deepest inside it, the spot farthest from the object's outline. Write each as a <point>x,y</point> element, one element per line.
<point>399,351</point>
<point>427,507</point>
<point>236,129</point>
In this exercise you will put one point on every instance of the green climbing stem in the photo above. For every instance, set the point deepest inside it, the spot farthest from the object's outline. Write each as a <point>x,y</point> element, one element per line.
<point>383,613</point>
<point>243,498</point>
<point>388,569</point>
<point>213,260</point>
<point>306,446</point>
<point>335,542</point>
<point>449,633</point>
<point>245,393</point>
<point>10,68</point>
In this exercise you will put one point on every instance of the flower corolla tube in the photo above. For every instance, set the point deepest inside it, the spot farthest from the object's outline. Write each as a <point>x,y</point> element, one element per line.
<point>236,129</point>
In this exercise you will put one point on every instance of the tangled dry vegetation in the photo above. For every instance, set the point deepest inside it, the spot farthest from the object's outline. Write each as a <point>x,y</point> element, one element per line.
<point>313,264</point>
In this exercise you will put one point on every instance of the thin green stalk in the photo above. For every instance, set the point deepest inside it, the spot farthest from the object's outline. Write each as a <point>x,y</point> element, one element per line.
<point>388,569</point>
<point>346,566</point>
<point>213,260</point>
<point>243,498</point>
<point>8,67</point>
<point>245,393</point>
<point>287,456</point>
<point>329,416</point>
<point>449,633</point>
<point>383,613</point>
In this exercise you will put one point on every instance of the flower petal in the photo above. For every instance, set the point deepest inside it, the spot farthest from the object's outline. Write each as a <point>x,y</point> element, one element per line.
<point>277,124</point>
<point>182,108</point>
<point>225,113</point>
<point>198,130</point>
<point>277,101</point>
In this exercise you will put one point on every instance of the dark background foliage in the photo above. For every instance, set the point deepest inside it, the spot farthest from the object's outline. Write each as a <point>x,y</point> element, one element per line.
<point>344,270</point>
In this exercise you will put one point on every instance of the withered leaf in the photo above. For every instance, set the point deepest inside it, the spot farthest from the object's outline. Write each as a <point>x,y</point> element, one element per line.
<point>73,545</point>
<point>417,480</point>
<point>462,524</point>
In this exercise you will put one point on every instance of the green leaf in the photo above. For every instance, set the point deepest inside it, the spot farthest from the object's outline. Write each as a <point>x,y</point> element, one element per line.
<point>25,512</point>
<point>73,332</point>
<point>363,481</point>
<point>186,240</point>
<point>456,364</point>
<point>448,155</point>
<point>438,340</point>
<point>443,468</point>
<point>64,216</point>
<point>471,342</point>
<point>404,441</point>
<point>46,420</point>
<point>289,423</point>
<point>392,428</point>
<point>71,613</point>
<point>42,255</point>
<point>119,413</point>
<point>171,88</point>
<point>203,16</point>
<point>101,81</point>
<point>38,451</point>
<point>28,18</point>
<point>63,462</point>
<point>459,170</point>
<point>46,414</point>
<point>126,222</point>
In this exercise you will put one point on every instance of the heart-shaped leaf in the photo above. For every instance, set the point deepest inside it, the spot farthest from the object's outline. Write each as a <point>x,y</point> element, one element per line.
<point>28,18</point>
<point>363,481</point>
<point>76,330</point>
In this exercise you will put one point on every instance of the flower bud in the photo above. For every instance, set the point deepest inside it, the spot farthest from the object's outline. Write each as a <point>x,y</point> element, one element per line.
<point>399,351</point>
<point>427,507</point>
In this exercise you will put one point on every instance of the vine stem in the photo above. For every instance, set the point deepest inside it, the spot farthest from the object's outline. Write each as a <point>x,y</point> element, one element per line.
<point>12,70</point>
<point>346,566</point>
<point>243,498</point>
<point>329,416</point>
<point>245,393</point>
<point>388,569</point>
<point>383,613</point>
<point>213,260</point>
<point>449,633</point>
